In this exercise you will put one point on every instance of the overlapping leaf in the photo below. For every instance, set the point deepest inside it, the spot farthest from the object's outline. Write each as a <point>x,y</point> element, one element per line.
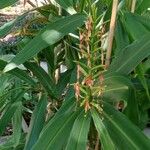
<point>18,73</point>
<point>102,132</point>
<point>119,126</point>
<point>37,123</point>
<point>43,77</point>
<point>79,132</point>
<point>58,132</point>
<point>131,56</point>
<point>48,36</point>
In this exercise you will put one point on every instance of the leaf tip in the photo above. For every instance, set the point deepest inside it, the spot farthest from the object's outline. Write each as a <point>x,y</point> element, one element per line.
<point>9,67</point>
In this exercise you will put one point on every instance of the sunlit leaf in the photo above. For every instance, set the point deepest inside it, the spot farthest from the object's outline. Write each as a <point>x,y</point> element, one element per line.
<point>48,36</point>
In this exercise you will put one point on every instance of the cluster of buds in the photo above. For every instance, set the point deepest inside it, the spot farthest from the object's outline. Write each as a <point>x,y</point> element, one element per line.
<point>85,90</point>
<point>88,81</point>
<point>85,40</point>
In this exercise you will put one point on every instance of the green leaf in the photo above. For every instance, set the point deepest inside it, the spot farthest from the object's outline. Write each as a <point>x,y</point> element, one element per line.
<point>43,77</point>
<point>131,56</point>
<point>128,135</point>
<point>4,3</point>
<point>17,126</point>
<point>116,87</point>
<point>18,73</point>
<point>143,19</point>
<point>62,82</point>
<point>146,66</point>
<point>102,132</point>
<point>58,131</point>
<point>48,36</point>
<point>119,88</point>
<point>143,6</point>
<point>79,132</point>
<point>140,74</point>
<point>37,123</point>
<point>48,10</point>
<point>49,54</point>
<point>7,115</point>
<point>132,26</point>
<point>4,82</point>
<point>121,37</point>
<point>70,93</point>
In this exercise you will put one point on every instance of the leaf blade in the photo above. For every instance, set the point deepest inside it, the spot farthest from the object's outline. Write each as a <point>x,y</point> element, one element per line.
<point>37,123</point>
<point>102,132</point>
<point>131,56</point>
<point>125,130</point>
<point>48,36</point>
<point>79,132</point>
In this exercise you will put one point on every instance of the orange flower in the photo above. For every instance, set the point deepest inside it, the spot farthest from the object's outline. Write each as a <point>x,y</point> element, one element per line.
<point>89,81</point>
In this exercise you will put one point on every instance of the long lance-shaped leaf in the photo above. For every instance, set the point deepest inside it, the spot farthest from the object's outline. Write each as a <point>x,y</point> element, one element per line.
<point>133,26</point>
<point>18,73</point>
<point>67,107</point>
<point>143,20</point>
<point>37,123</point>
<point>116,87</point>
<point>140,72</point>
<point>79,133</point>
<point>128,135</point>
<point>4,3</point>
<point>121,37</point>
<point>131,56</point>
<point>120,88</point>
<point>43,77</point>
<point>17,122</point>
<point>55,136</point>
<point>102,132</point>
<point>48,36</point>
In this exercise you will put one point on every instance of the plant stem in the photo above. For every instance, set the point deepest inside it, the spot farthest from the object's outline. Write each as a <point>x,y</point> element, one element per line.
<point>133,6</point>
<point>111,32</point>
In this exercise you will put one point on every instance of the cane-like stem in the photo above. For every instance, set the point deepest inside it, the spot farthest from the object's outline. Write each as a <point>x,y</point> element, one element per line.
<point>133,6</point>
<point>111,32</point>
